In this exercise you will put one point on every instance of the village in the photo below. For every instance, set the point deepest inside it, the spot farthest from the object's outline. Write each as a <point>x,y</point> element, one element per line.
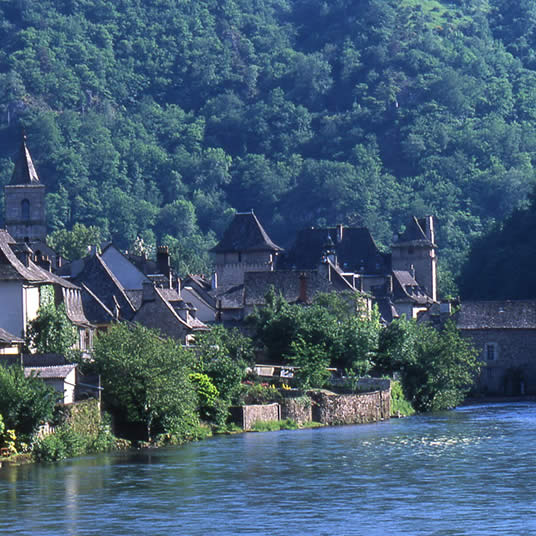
<point>109,286</point>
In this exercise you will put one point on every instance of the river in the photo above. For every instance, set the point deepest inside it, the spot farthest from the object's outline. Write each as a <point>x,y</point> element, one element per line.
<point>467,471</point>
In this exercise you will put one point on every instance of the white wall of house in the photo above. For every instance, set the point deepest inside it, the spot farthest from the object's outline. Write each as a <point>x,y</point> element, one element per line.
<point>31,304</point>
<point>129,276</point>
<point>205,313</point>
<point>12,312</point>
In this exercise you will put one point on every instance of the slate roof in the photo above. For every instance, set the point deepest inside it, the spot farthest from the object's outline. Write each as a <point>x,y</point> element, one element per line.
<point>289,284</point>
<point>102,288</point>
<point>56,372</point>
<point>505,314</point>
<point>94,308</point>
<point>8,338</point>
<point>245,233</point>
<point>24,172</point>
<point>406,288</point>
<point>175,303</point>
<point>356,252</point>
<point>12,269</point>
<point>415,233</point>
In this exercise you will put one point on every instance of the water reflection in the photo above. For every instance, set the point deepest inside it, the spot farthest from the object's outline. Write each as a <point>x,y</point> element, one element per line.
<point>461,472</point>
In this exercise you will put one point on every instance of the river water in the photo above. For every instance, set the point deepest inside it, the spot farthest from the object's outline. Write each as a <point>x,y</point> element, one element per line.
<point>467,471</point>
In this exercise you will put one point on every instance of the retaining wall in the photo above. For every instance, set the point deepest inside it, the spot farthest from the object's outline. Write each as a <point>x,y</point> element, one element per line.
<point>248,416</point>
<point>332,409</point>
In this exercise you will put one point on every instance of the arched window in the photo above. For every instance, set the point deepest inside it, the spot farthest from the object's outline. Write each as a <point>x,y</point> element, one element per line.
<point>25,209</point>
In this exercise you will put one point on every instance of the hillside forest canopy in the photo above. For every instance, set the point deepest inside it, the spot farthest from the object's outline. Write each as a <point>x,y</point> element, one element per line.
<point>154,121</point>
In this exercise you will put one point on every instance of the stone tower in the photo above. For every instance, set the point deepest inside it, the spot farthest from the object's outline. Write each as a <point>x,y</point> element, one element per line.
<point>415,251</point>
<point>25,218</point>
<point>245,247</point>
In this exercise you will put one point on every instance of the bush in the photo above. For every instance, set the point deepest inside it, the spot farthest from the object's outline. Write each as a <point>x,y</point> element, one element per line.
<point>400,405</point>
<point>273,426</point>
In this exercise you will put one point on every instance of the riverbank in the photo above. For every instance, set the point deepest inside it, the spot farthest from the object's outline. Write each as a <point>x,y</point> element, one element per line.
<point>477,401</point>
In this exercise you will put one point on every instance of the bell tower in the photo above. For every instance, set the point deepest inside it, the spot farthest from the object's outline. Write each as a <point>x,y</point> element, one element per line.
<point>25,218</point>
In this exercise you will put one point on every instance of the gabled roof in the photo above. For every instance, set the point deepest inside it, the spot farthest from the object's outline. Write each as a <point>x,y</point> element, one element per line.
<point>292,284</point>
<point>99,280</point>
<point>56,372</point>
<point>245,233</point>
<point>406,288</point>
<point>501,314</point>
<point>175,303</point>
<point>415,233</point>
<point>24,172</point>
<point>11,268</point>
<point>356,250</point>
<point>94,308</point>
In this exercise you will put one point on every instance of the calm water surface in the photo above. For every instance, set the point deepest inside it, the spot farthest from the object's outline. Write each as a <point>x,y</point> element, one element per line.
<point>469,471</point>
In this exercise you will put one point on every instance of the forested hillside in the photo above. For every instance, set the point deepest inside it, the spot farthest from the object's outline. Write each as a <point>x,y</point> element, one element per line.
<point>157,119</point>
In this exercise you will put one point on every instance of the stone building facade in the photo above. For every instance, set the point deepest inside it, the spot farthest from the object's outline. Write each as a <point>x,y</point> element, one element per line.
<point>504,333</point>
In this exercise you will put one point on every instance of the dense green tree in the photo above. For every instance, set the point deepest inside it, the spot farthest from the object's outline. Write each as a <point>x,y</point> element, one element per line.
<point>437,367</point>
<point>74,244</point>
<point>312,113</point>
<point>146,380</point>
<point>25,402</point>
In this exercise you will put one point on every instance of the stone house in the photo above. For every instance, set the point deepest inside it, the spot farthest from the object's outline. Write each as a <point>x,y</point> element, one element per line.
<point>504,332</point>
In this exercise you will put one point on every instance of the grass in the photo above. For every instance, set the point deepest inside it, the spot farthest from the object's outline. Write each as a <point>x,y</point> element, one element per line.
<point>436,13</point>
<point>286,424</point>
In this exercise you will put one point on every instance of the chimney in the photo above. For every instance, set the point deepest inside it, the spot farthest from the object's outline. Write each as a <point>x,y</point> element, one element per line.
<point>23,253</point>
<point>303,289</point>
<point>179,286</point>
<point>163,263</point>
<point>340,232</point>
<point>214,281</point>
<point>44,262</point>
<point>412,270</point>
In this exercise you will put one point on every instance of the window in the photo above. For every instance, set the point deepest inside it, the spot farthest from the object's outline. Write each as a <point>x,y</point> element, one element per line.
<point>25,209</point>
<point>490,351</point>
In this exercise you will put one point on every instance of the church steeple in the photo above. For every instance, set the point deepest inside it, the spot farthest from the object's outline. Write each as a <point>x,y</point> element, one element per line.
<point>24,197</point>
<point>24,172</point>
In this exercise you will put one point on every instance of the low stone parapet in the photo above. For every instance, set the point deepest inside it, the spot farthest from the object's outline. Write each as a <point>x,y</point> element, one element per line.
<point>333,409</point>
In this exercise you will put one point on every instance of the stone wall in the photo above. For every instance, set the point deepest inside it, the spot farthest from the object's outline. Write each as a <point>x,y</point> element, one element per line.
<point>298,409</point>
<point>513,371</point>
<point>247,416</point>
<point>333,409</point>
<point>324,407</point>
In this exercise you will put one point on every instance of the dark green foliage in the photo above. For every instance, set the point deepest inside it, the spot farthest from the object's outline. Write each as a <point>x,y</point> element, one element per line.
<point>149,120</point>
<point>25,403</point>
<point>437,368</point>
<point>334,324</point>
<point>146,380</point>
<point>501,263</point>
<point>74,244</point>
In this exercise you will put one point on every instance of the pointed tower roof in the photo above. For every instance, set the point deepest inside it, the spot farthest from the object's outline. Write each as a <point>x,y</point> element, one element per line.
<point>24,172</point>
<point>245,233</point>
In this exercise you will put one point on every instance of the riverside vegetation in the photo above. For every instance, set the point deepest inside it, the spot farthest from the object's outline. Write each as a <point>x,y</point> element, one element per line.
<point>163,393</point>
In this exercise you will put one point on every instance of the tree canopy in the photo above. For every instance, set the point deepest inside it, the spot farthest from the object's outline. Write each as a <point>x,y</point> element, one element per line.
<point>154,120</point>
